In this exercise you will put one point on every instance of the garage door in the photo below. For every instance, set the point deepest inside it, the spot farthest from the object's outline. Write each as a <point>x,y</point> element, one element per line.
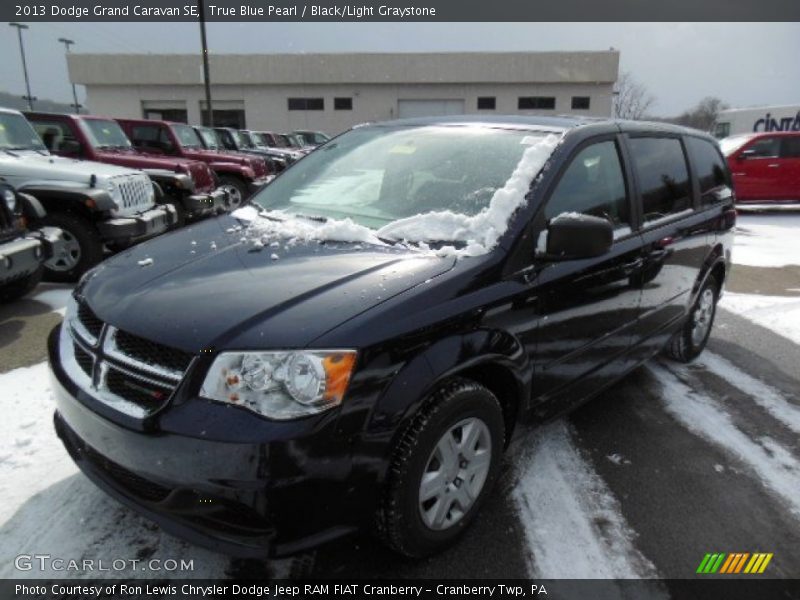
<point>429,108</point>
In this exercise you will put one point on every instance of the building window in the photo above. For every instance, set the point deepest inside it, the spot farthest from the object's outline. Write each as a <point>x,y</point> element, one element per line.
<point>306,104</point>
<point>342,104</point>
<point>580,102</point>
<point>175,115</point>
<point>487,102</point>
<point>225,118</point>
<point>536,103</point>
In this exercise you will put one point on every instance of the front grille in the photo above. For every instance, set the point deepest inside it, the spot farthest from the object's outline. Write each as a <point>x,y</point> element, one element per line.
<point>134,375</point>
<point>259,168</point>
<point>89,320</point>
<point>136,191</point>
<point>152,353</point>
<point>143,392</point>
<point>202,177</point>
<point>84,359</point>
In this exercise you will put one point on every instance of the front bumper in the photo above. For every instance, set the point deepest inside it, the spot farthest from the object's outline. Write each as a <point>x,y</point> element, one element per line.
<point>23,256</point>
<point>203,204</point>
<point>222,488</point>
<point>142,225</point>
<point>257,184</point>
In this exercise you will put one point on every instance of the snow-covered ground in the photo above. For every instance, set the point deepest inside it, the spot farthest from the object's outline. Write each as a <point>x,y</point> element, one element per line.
<point>767,240</point>
<point>772,241</point>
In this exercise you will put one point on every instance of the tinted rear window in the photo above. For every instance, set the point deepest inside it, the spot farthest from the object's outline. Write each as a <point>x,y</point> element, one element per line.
<point>712,173</point>
<point>790,147</point>
<point>663,176</point>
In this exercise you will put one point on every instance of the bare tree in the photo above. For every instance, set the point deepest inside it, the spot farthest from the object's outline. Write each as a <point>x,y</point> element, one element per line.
<point>633,100</point>
<point>703,115</point>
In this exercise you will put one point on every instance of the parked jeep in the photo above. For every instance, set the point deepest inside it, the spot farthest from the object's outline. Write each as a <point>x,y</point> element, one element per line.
<point>23,252</point>
<point>240,176</point>
<point>187,184</point>
<point>93,203</point>
<point>236,140</point>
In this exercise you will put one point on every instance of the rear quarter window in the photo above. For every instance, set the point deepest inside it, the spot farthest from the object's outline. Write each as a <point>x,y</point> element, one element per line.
<point>663,176</point>
<point>712,172</point>
<point>790,147</point>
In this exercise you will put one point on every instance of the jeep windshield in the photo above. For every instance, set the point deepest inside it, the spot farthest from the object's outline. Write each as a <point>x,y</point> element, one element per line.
<point>209,138</point>
<point>17,134</point>
<point>439,175</point>
<point>105,133</point>
<point>187,136</point>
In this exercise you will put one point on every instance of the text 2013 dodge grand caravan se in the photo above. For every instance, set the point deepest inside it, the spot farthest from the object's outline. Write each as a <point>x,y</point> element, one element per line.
<point>356,349</point>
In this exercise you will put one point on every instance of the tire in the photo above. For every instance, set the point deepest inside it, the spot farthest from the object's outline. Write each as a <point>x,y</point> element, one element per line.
<point>180,214</point>
<point>237,190</point>
<point>84,248</point>
<point>19,288</point>
<point>691,340</point>
<point>416,526</point>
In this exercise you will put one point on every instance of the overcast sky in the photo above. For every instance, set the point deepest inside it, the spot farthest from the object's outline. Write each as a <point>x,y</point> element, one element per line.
<point>680,63</point>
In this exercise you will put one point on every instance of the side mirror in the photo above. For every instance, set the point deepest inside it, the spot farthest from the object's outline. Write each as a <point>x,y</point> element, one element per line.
<point>572,236</point>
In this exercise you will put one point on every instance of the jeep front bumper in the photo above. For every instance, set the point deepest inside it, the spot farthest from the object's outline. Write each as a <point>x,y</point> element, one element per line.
<point>142,225</point>
<point>202,204</point>
<point>22,256</point>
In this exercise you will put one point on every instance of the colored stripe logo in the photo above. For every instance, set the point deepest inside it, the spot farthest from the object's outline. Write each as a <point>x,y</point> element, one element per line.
<point>734,563</point>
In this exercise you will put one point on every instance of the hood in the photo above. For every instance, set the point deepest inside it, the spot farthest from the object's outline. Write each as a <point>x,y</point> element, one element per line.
<point>45,167</point>
<point>139,160</point>
<point>204,287</point>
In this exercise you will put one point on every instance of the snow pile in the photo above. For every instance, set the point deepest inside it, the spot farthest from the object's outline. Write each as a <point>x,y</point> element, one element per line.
<point>780,314</point>
<point>480,232</point>
<point>767,240</point>
<point>475,235</point>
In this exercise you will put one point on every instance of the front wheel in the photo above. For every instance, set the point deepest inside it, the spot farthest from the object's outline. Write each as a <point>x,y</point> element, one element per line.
<point>691,340</point>
<point>237,190</point>
<point>82,248</point>
<point>443,467</point>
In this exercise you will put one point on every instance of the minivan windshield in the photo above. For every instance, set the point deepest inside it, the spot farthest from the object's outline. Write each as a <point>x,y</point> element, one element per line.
<point>105,133</point>
<point>378,175</point>
<point>17,134</point>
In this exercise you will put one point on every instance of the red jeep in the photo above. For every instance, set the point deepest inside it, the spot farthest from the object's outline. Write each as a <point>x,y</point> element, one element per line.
<point>765,167</point>
<point>240,175</point>
<point>189,185</point>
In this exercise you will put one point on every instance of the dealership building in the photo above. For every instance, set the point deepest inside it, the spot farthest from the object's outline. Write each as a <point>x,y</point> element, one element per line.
<point>332,92</point>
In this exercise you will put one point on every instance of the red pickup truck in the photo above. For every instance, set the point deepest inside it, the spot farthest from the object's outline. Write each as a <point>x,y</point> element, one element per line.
<point>240,175</point>
<point>189,185</point>
<point>765,167</point>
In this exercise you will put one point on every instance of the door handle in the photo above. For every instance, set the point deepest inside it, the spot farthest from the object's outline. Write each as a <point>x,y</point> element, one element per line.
<point>773,166</point>
<point>634,265</point>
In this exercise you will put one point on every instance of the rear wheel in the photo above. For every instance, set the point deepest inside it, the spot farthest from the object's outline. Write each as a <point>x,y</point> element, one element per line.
<point>19,288</point>
<point>443,467</point>
<point>691,340</point>
<point>82,248</point>
<point>236,189</point>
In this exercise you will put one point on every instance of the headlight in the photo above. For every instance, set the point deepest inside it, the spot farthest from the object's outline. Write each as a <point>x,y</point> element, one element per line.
<point>10,199</point>
<point>281,385</point>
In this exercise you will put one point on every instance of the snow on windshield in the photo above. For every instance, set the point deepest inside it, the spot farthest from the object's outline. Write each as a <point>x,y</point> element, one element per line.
<point>458,234</point>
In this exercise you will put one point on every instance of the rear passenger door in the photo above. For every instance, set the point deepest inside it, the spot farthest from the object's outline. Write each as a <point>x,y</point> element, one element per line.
<point>675,237</point>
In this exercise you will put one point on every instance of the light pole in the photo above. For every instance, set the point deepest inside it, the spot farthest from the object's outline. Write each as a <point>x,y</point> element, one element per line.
<point>67,43</point>
<point>202,10</point>
<point>29,98</point>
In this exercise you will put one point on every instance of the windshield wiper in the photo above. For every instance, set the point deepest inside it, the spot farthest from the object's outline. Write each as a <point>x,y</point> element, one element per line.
<point>317,218</point>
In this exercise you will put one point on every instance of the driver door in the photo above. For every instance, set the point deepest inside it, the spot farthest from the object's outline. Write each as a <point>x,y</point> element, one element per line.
<point>587,307</point>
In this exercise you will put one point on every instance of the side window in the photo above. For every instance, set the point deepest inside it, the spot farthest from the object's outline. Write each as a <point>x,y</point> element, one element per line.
<point>712,173</point>
<point>663,176</point>
<point>768,147</point>
<point>790,147</point>
<point>56,135</point>
<point>151,137</point>
<point>593,184</point>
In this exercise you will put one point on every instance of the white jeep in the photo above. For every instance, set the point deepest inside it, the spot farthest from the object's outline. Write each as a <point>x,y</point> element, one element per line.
<point>95,204</point>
